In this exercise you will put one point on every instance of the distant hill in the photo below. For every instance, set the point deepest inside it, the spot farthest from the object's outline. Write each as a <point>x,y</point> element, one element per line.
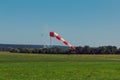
<point>29,46</point>
<point>20,46</point>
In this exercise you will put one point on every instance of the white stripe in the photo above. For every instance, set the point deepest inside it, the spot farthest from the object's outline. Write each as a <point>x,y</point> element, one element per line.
<point>55,34</point>
<point>62,39</point>
<point>69,45</point>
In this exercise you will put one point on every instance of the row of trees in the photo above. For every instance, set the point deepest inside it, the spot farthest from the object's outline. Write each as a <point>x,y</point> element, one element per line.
<point>56,50</point>
<point>98,50</point>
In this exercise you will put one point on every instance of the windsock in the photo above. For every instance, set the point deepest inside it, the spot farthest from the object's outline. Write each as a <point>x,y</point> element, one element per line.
<point>58,37</point>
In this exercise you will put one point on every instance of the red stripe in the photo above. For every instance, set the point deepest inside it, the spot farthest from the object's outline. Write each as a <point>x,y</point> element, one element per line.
<point>58,37</point>
<point>51,34</point>
<point>73,48</point>
<point>65,42</point>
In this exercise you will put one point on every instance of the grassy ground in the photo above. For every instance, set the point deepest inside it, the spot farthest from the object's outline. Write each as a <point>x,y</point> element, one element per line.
<point>14,66</point>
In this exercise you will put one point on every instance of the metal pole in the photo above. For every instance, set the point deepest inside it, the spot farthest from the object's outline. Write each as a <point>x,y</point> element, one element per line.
<point>50,42</point>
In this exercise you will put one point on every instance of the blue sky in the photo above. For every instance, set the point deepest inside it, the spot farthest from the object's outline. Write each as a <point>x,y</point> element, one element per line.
<point>80,22</point>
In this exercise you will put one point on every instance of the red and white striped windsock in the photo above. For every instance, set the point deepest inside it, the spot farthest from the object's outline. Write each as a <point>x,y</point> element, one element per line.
<point>57,36</point>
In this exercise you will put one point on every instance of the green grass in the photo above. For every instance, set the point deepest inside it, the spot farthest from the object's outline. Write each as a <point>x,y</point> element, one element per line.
<point>14,66</point>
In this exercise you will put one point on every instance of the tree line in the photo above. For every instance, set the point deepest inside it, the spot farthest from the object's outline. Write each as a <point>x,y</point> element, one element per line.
<point>58,50</point>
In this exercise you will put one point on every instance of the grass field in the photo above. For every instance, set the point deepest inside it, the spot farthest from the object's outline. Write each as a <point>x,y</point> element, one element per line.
<point>14,66</point>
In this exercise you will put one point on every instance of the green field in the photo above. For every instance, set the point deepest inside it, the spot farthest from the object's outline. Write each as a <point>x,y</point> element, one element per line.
<point>14,66</point>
